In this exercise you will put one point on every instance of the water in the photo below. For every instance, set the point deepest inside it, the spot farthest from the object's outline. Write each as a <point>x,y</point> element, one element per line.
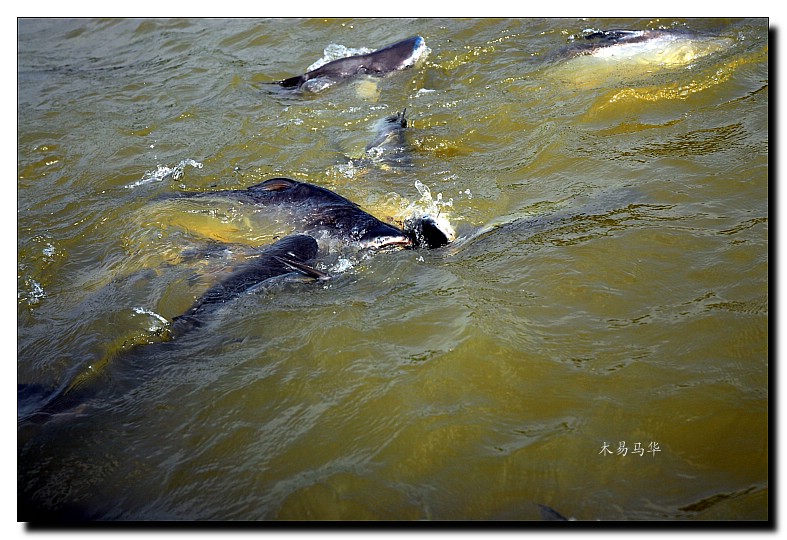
<point>609,286</point>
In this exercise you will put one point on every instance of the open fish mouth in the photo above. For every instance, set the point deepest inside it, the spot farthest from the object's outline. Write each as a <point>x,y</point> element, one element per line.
<point>387,242</point>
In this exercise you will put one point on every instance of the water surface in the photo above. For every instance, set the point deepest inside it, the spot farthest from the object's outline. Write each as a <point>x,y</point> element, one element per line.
<point>609,289</point>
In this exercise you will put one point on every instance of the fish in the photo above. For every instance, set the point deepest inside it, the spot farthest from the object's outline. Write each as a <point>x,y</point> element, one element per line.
<point>389,147</point>
<point>391,133</point>
<point>289,256</point>
<point>398,56</point>
<point>660,47</point>
<point>314,209</point>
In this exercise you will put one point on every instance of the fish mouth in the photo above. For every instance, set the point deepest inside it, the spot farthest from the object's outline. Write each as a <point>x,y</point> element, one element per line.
<point>387,242</point>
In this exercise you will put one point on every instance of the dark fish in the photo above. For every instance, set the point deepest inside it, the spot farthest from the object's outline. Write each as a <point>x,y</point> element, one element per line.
<point>37,403</point>
<point>605,38</point>
<point>288,255</point>
<point>394,57</point>
<point>315,209</point>
<point>391,133</point>
<point>320,209</point>
<point>390,145</point>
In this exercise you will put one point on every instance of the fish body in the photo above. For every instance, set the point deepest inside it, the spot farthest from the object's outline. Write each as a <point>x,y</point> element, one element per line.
<point>665,48</point>
<point>314,209</point>
<point>395,57</point>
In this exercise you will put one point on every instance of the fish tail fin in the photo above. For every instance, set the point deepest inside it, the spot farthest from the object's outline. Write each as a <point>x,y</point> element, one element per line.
<point>401,118</point>
<point>398,118</point>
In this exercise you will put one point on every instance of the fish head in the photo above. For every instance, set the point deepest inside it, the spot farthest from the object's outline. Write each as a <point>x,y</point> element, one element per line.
<point>429,232</point>
<point>418,50</point>
<point>401,55</point>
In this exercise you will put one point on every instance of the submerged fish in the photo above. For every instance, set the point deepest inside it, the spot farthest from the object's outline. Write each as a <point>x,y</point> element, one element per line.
<point>286,256</point>
<point>611,58</point>
<point>655,47</point>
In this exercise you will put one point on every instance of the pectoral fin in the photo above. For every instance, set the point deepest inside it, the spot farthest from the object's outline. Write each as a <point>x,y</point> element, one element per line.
<point>302,268</point>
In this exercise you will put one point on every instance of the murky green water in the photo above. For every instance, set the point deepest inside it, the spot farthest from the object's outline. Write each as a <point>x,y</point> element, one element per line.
<point>622,297</point>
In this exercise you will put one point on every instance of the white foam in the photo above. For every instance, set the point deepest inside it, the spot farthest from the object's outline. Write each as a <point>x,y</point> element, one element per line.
<point>435,207</point>
<point>162,172</point>
<point>154,327</point>
<point>335,51</point>
<point>35,293</point>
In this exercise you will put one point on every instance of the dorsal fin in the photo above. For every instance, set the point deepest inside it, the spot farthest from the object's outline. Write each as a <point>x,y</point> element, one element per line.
<point>274,184</point>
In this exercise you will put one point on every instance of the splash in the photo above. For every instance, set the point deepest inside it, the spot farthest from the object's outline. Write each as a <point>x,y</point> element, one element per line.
<point>429,204</point>
<point>342,265</point>
<point>432,206</point>
<point>33,293</point>
<point>163,172</point>
<point>347,170</point>
<point>334,52</point>
<point>154,327</point>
